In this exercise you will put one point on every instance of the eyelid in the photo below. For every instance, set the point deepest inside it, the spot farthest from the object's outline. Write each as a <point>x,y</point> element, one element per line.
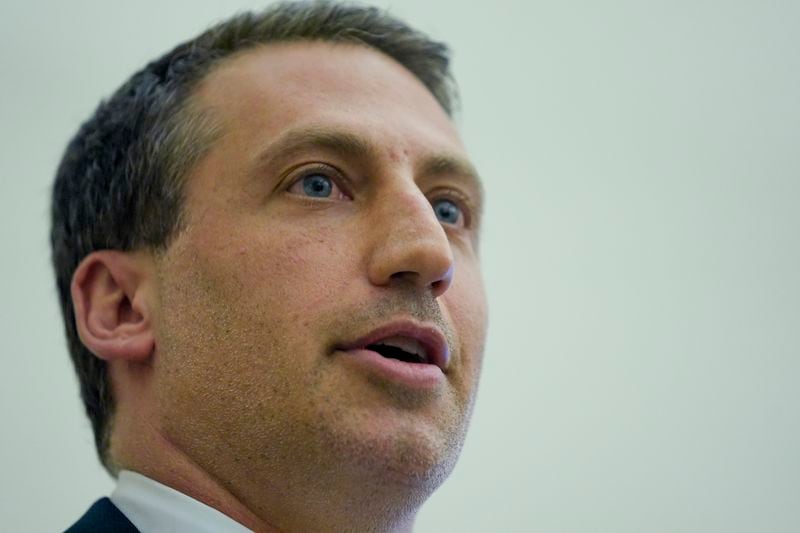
<point>308,169</point>
<point>461,199</point>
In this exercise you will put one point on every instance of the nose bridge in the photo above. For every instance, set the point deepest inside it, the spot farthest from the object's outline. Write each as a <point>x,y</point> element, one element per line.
<point>410,210</point>
<point>409,244</point>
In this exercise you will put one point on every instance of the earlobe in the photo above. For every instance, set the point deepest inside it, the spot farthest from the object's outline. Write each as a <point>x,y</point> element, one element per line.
<point>111,309</point>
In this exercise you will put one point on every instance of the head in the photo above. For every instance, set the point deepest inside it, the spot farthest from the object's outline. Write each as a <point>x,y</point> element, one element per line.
<point>236,219</point>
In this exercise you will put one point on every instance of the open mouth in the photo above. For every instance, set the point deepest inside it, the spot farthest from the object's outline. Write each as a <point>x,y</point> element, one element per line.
<point>402,349</point>
<point>407,342</point>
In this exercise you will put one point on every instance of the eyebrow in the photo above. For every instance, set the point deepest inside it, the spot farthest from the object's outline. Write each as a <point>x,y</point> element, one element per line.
<point>448,165</point>
<point>298,140</point>
<point>351,145</point>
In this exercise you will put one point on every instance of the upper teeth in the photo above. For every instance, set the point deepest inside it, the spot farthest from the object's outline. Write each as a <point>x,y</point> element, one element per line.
<point>406,344</point>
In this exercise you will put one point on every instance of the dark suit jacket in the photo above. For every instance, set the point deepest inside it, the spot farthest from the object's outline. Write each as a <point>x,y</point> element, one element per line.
<point>103,517</point>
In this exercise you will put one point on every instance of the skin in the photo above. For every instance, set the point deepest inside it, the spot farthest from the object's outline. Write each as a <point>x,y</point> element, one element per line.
<point>221,348</point>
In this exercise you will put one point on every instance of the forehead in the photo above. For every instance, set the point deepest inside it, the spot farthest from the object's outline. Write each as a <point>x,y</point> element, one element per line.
<point>260,93</point>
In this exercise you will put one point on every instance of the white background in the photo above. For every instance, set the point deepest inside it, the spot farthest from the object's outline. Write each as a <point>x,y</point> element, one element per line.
<point>642,164</point>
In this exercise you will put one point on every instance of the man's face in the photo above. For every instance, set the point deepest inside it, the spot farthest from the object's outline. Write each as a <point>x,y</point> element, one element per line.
<point>309,225</point>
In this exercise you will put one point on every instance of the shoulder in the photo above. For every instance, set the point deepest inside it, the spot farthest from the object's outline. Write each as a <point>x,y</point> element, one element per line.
<point>103,516</point>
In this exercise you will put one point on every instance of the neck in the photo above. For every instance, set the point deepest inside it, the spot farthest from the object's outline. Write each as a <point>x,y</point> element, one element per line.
<point>325,500</point>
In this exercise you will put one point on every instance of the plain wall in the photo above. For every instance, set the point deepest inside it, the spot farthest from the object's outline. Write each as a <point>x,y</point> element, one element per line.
<point>640,250</point>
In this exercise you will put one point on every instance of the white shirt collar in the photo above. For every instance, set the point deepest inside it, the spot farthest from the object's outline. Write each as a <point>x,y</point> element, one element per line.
<point>155,508</point>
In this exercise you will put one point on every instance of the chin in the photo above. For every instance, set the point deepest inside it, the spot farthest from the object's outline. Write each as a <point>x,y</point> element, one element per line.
<point>413,459</point>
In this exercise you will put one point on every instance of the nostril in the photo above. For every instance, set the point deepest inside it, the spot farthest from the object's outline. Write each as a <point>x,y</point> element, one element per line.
<point>405,276</point>
<point>437,286</point>
<point>441,285</point>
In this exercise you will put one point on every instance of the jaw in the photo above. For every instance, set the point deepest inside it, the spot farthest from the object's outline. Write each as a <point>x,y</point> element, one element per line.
<point>349,504</point>
<point>371,474</point>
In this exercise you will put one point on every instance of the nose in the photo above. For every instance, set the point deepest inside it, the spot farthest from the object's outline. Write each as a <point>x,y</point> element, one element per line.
<point>409,245</point>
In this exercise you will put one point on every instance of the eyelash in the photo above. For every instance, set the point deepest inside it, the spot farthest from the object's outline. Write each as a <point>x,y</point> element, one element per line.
<point>461,200</point>
<point>325,170</point>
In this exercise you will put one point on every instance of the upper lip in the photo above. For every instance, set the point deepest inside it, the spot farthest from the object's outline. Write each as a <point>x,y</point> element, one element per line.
<point>429,336</point>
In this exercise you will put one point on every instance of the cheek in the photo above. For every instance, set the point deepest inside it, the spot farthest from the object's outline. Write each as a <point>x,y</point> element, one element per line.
<point>252,275</point>
<point>299,271</point>
<point>237,313</point>
<point>465,303</point>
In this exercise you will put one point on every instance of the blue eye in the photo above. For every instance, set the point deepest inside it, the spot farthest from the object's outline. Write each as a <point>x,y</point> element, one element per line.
<point>447,211</point>
<point>317,185</point>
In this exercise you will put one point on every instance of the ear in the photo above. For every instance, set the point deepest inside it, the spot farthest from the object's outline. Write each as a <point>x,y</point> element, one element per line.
<point>109,290</point>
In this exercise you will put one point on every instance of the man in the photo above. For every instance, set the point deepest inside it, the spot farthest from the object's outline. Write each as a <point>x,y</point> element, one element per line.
<point>266,246</point>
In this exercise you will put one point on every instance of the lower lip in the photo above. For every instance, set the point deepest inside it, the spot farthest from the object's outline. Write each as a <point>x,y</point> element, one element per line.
<point>417,375</point>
